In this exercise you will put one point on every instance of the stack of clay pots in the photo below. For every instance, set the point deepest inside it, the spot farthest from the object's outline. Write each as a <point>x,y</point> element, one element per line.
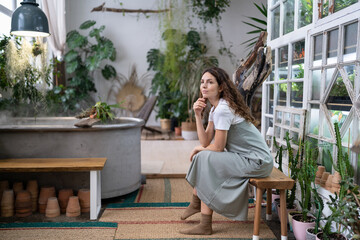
<point>328,183</point>
<point>319,173</point>
<point>32,187</point>
<point>23,204</point>
<point>52,207</point>
<point>64,195</point>
<point>3,186</point>
<point>73,207</point>
<point>7,203</point>
<point>17,187</point>
<point>45,194</point>
<point>324,178</point>
<point>335,187</point>
<point>84,199</point>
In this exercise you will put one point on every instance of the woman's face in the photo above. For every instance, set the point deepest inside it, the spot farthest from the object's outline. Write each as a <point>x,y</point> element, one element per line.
<point>209,87</point>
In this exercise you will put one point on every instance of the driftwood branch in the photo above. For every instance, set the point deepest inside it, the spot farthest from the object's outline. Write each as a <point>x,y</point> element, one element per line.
<point>102,8</point>
<point>259,61</point>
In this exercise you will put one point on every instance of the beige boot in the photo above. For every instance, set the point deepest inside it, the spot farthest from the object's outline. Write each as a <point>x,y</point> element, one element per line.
<point>193,208</point>
<point>204,228</point>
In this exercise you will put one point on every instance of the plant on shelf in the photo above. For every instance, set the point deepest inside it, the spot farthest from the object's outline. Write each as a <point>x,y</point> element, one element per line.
<point>86,55</point>
<point>101,110</point>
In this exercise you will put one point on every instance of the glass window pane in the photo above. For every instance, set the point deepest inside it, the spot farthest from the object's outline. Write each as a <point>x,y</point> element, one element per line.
<point>289,16</point>
<point>296,121</point>
<point>272,74</point>
<point>296,96</point>
<point>329,76</point>
<point>350,70</point>
<point>326,129</point>
<point>281,97</point>
<point>5,24</point>
<point>273,2</point>
<point>305,12</point>
<point>314,119</point>
<point>332,45</point>
<point>7,4</point>
<point>275,23</point>
<point>315,85</point>
<point>317,50</point>
<point>348,137</point>
<point>283,63</point>
<point>287,117</point>
<point>270,94</point>
<point>298,60</point>
<point>340,4</point>
<point>350,42</point>
<point>327,153</point>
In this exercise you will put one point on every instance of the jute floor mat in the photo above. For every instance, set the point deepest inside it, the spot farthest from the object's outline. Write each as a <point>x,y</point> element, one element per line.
<point>55,230</point>
<point>153,212</point>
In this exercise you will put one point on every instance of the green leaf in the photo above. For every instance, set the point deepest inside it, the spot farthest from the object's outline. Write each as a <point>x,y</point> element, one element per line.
<point>258,20</point>
<point>108,72</point>
<point>262,9</point>
<point>71,66</point>
<point>96,31</point>
<point>74,39</point>
<point>113,55</point>
<point>252,25</point>
<point>93,62</point>
<point>87,24</point>
<point>71,55</point>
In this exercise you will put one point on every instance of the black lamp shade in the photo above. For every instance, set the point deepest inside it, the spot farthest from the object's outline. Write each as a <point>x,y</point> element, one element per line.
<point>30,21</point>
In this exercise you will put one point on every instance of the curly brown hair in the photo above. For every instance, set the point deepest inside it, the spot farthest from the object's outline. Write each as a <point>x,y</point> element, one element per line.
<point>231,94</point>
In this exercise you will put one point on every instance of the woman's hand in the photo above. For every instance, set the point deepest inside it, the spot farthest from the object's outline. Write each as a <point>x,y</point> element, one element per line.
<point>199,106</point>
<point>196,150</point>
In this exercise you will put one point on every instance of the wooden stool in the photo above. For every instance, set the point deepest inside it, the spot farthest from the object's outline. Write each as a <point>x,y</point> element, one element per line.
<point>276,180</point>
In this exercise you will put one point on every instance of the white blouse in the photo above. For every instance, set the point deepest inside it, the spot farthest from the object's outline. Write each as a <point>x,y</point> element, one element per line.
<point>223,116</point>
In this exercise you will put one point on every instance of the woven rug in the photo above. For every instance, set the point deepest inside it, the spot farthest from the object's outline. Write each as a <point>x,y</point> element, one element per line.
<point>57,230</point>
<point>153,212</point>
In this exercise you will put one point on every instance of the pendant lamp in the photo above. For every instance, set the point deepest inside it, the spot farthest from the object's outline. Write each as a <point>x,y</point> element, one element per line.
<point>29,20</point>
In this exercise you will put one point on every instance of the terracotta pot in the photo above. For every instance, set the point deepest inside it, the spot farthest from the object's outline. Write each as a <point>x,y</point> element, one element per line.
<point>324,179</point>
<point>63,199</point>
<point>328,184</point>
<point>3,185</point>
<point>33,188</point>
<point>17,187</point>
<point>23,205</point>
<point>299,227</point>
<point>7,203</point>
<point>73,207</point>
<point>320,171</point>
<point>52,207</point>
<point>45,194</point>
<point>335,186</point>
<point>84,199</point>
<point>177,131</point>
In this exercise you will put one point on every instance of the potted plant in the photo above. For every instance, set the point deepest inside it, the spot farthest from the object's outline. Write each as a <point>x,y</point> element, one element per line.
<point>311,232</point>
<point>306,177</point>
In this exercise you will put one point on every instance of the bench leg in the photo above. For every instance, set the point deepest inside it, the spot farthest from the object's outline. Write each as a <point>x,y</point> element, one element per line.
<point>268,204</point>
<point>283,215</point>
<point>95,194</point>
<point>259,193</point>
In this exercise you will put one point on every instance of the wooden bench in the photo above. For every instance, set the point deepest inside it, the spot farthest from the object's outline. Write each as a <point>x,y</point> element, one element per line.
<point>94,165</point>
<point>276,180</point>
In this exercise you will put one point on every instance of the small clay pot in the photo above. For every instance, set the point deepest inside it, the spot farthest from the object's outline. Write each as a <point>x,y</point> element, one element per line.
<point>17,187</point>
<point>63,199</point>
<point>45,194</point>
<point>328,184</point>
<point>7,203</point>
<point>177,131</point>
<point>73,207</point>
<point>324,179</point>
<point>23,205</point>
<point>320,171</point>
<point>33,188</point>
<point>84,199</point>
<point>52,207</point>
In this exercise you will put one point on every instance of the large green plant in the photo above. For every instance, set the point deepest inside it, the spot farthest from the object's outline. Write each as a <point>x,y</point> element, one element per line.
<point>86,55</point>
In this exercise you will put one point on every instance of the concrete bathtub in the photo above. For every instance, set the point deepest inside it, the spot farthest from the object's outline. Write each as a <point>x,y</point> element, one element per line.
<point>57,137</point>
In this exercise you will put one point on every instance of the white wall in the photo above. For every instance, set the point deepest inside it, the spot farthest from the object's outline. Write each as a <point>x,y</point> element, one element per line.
<point>133,35</point>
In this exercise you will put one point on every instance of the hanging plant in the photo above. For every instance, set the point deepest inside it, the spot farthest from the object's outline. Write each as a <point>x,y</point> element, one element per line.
<point>209,10</point>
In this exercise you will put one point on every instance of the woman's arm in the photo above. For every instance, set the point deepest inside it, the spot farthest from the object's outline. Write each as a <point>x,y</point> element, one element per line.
<point>205,136</point>
<point>217,146</point>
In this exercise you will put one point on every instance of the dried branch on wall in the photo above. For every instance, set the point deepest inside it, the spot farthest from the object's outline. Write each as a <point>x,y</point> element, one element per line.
<point>102,8</point>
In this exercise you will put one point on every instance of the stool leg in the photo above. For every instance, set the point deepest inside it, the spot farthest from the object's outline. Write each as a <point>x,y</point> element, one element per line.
<point>259,193</point>
<point>283,214</point>
<point>268,204</point>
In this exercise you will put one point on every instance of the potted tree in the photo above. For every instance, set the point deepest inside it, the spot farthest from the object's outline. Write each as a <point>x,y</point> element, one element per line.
<point>306,177</point>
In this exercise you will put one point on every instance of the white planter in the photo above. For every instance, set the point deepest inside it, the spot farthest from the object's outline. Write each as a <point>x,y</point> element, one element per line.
<point>189,135</point>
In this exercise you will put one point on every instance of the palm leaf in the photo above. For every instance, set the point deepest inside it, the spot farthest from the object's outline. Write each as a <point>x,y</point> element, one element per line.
<point>263,10</point>
<point>252,25</point>
<point>258,20</point>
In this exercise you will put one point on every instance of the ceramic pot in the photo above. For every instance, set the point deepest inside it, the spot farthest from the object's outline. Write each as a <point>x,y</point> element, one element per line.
<point>52,207</point>
<point>290,216</point>
<point>3,185</point>
<point>324,179</point>
<point>84,199</point>
<point>7,203</point>
<point>328,184</point>
<point>336,236</point>
<point>33,188</point>
<point>63,199</point>
<point>17,187</point>
<point>299,228</point>
<point>45,194</point>
<point>73,207</point>
<point>309,233</point>
<point>23,205</point>
<point>177,131</point>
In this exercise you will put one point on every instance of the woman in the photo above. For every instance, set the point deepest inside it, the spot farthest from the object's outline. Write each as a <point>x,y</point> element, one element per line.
<point>232,150</point>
